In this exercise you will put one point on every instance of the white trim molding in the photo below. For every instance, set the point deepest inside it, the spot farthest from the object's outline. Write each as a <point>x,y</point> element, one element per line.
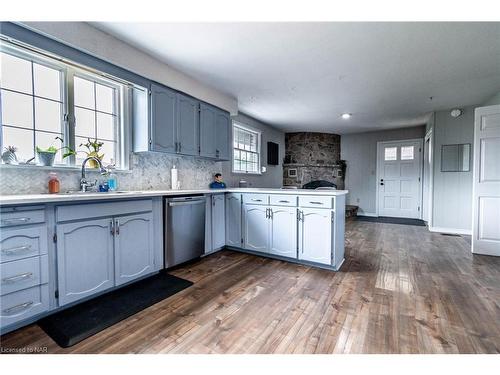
<point>370,214</point>
<point>467,232</point>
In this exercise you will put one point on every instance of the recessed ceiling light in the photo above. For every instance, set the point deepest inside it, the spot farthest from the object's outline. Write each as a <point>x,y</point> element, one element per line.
<point>346,116</point>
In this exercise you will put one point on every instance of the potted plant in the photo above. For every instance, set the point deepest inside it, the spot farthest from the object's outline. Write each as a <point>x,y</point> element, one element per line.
<point>46,156</point>
<point>93,148</point>
<point>9,155</point>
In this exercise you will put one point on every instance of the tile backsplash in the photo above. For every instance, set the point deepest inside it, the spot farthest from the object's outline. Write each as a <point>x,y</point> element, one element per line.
<point>148,171</point>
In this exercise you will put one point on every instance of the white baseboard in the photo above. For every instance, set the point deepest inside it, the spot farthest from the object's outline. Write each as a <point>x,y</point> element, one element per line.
<point>450,230</point>
<point>371,214</point>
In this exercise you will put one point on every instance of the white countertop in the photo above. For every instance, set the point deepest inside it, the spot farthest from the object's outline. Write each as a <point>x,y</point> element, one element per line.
<point>78,197</point>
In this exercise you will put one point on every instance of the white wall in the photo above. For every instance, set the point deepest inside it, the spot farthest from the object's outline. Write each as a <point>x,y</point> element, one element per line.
<point>452,191</point>
<point>360,153</point>
<point>273,177</point>
<point>87,38</point>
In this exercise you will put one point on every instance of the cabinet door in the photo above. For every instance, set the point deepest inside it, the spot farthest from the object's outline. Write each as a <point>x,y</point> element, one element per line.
<point>218,222</point>
<point>283,231</point>
<point>163,119</point>
<point>233,220</point>
<point>133,247</point>
<point>315,233</point>
<point>84,259</point>
<point>223,139</point>
<point>188,125</point>
<point>256,228</point>
<point>207,131</point>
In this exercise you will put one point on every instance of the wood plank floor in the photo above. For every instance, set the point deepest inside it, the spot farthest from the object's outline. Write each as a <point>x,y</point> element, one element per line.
<point>402,289</point>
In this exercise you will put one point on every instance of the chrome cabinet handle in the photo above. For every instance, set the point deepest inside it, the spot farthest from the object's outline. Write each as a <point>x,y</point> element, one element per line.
<point>270,213</point>
<point>21,306</point>
<point>256,200</point>
<point>13,250</point>
<point>313,202</point>
<point>16,278</point>
<point>112,226</point>
<point>117,227</point>
<point>16,220</point>
<point>283,201</point>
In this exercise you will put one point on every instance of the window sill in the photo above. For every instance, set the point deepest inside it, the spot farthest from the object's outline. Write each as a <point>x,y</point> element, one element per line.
<point>60,168</point>
<point>247,173</point>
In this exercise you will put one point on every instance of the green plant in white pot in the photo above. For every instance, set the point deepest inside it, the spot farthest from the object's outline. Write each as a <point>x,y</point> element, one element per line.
<point>47,156</point>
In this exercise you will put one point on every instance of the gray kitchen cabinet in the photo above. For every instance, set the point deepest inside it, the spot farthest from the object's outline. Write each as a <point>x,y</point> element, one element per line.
<point>283,231</point>
<point>187,133</point>
<point>315,235</point>
<point>133,250</point>
<point>233,220</point>
<point>208,135</point>
<point>163,119</point>
<point>218,222</point>
<point>85,259</point>
<point>256,228</point>
<point>223,135</point>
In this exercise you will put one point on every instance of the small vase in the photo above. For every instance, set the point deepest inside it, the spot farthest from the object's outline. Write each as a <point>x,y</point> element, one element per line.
<point>9,157</point>
<point>46,158</point>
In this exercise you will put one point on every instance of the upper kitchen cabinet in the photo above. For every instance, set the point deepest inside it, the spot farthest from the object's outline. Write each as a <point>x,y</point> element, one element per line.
<point>187,134</point>
<point>215,131</point>
<point>163,119</point>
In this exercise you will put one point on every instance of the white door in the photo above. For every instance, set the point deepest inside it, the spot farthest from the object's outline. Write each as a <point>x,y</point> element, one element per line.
<point>256,228</point>
<point>399,166</point>
<point>315,233</point>
<point>283,231</point>
<point>427,181</point>
<point>486,194</point>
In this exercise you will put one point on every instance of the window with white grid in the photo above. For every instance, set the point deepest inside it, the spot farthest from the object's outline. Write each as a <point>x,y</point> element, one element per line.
<point>246,150</point>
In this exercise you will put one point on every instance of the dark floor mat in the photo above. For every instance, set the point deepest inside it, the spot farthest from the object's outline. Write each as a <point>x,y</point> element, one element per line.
<point>391,220</point>
<point>79,322</point>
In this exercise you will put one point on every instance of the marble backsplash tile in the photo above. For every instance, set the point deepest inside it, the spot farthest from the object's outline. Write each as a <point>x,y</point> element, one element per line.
<point>148,171</point>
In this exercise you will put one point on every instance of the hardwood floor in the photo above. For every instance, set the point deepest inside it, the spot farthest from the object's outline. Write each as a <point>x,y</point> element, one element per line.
<point>402,289</point>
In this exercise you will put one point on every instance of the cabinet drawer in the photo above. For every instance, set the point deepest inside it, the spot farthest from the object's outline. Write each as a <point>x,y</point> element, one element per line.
<point>20,243</point>
<point>23,304</point>
<point>283,200</point>
<point>315,201</point>
<point>24,273</point>
<point>91,210</point>
<point>14,218</point>
<point>256,199</point>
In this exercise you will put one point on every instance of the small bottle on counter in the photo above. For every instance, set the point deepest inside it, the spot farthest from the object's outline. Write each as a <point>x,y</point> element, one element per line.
<point>112,179</point>
<point>54,184</point>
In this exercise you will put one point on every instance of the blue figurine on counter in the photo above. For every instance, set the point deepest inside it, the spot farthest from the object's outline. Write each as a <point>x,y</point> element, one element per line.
<point>218,183</point>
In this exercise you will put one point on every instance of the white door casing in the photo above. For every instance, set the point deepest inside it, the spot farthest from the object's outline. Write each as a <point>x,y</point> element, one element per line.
<point>399,178</point>
<point>486,185</point>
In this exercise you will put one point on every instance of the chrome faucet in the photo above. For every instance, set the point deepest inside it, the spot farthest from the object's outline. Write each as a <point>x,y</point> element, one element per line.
<point>84,184</point>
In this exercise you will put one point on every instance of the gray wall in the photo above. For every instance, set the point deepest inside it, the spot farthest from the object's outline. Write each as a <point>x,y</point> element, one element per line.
<point>495,99</point>
<point>360,153</point>
<point>452,191</point>
<point>273,177</point>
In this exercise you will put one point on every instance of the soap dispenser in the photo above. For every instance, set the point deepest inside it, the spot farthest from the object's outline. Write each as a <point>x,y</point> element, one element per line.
<point>112,179</point>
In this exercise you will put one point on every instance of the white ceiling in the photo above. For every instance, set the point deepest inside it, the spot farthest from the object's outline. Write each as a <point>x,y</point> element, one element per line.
<point>302,76</point>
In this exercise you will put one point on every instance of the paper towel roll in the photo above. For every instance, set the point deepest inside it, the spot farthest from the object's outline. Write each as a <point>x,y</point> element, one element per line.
<point>174,178</point>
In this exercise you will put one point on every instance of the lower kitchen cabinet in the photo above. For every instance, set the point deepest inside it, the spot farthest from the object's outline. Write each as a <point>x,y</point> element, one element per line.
<point>256,228</point>
<point>283,231</point>
<point>133,237</point>
<point>218,222</point>
<point>233,220</point>
<point>85,258</point>
<point>315,233</point>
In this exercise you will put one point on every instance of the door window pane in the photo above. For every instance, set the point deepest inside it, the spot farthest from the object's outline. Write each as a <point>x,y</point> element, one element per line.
<point>15,73</point>
<point>390,153</point>
<point>17,109</point>
<point>84,93</point>
<point>104,98</point>
<point>48,115</point>
<point>22,139</point>
<point>85,123</point>
<point>47,82</point>
<point>407,152</point>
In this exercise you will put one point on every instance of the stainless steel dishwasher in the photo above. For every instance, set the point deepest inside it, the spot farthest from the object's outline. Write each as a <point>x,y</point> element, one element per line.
<point>184,229</point>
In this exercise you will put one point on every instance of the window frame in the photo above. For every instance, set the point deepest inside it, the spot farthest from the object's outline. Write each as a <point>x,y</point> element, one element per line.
<point>68,71</point>
<point>258,133</point>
